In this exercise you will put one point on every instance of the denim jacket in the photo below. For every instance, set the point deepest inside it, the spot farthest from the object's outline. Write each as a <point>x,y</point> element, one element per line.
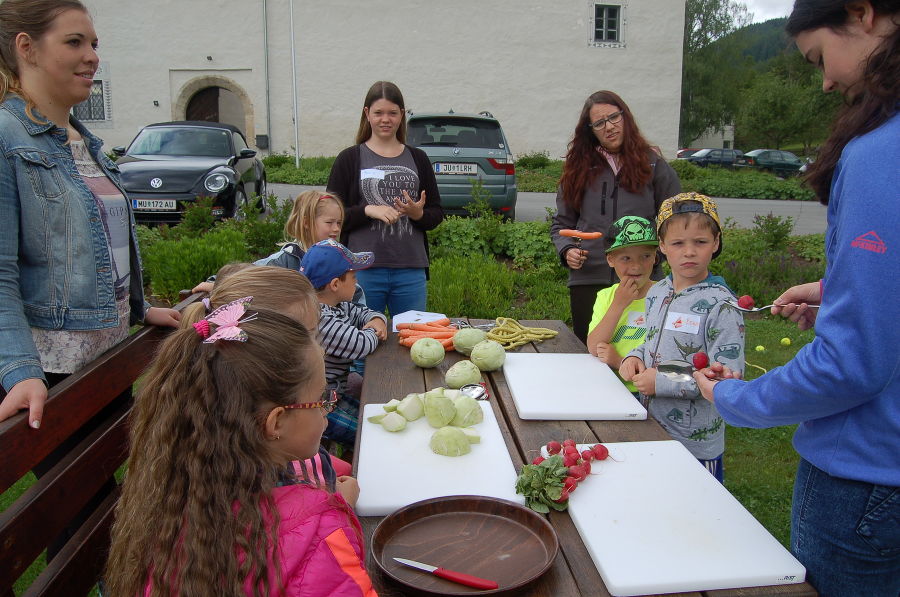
<point>55,266</point>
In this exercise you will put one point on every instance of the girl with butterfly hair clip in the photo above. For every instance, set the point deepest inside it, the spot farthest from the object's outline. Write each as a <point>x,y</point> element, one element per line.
<point>290,293</point>
<point>227,404</point>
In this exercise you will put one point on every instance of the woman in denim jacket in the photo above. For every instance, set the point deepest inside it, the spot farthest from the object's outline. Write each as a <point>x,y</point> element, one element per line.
<point>70,273</point>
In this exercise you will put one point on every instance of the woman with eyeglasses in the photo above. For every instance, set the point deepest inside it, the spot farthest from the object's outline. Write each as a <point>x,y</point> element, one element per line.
<point>843,388</point>
<point>70,277</point>
<point>610,171</point>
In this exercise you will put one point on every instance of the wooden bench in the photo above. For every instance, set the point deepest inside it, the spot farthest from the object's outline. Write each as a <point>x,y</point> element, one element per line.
<point>93,403</point>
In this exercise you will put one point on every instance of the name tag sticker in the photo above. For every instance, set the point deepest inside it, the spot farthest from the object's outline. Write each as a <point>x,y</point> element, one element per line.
<point>683,322</point>
<point>637,319</point>
<point>371,173</point>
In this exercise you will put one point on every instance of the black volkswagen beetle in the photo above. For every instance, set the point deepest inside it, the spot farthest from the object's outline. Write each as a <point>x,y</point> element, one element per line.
<point>170,164</point>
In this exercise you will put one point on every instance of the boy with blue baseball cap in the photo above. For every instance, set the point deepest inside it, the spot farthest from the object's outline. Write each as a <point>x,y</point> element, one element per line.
<point>347,331</point>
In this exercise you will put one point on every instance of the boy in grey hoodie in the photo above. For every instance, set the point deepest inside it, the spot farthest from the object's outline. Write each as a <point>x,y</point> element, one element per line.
<point>688,312</point>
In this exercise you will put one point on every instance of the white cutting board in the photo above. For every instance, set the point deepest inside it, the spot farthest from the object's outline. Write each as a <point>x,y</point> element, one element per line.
<point>657,522</point>
<point>564,387</point>
<point>397,469</point>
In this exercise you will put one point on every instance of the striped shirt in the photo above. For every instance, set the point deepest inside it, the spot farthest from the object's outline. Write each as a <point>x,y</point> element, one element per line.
<point>343,340</point>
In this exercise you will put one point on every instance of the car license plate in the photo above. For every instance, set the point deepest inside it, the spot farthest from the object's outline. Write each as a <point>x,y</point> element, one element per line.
<point>153,204</point>
<point>445,168</point>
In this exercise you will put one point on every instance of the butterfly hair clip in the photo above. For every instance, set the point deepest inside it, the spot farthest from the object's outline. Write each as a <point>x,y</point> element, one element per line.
<point>227,319</point>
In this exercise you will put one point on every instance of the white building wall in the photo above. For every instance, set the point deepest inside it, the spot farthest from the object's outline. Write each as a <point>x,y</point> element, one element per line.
<point>529,63</point>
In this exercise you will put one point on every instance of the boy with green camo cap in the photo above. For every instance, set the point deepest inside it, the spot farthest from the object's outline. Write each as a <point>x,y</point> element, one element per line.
<point>618,324</point>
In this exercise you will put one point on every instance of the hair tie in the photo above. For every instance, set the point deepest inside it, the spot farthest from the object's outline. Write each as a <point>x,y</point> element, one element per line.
<point>206,303</point>
<point>202,328</point>
<point>325,196</point>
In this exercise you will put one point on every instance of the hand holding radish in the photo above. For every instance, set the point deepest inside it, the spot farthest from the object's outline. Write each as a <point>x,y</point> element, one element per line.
<point>707,378</point>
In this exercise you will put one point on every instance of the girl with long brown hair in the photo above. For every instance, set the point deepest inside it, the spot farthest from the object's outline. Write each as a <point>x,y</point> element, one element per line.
<point>391,200</point>
<point>610,171</point>
<point>210,504</point>
<point>843,388</point>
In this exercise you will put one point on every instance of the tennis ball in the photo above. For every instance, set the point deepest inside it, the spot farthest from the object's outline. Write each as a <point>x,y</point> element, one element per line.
<point>760,348</point>
<point>785,341</point>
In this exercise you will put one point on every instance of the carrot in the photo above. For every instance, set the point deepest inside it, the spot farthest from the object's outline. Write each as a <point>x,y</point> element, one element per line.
<point>429,334</point>
<point>447,343</point>
<point>444,321</point>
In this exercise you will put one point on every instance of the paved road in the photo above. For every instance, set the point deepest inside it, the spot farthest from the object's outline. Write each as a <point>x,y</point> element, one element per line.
<point>809,216</point>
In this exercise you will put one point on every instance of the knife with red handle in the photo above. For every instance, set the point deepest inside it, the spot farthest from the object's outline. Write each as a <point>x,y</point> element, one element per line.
<point>457,577</point>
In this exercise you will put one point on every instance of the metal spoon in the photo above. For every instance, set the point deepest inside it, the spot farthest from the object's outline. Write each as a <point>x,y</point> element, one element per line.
<point>755,309</point>
<point>676,370</point>
<point>475,390</point>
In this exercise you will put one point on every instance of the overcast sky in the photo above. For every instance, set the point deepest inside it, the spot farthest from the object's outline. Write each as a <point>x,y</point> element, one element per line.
<point>763,10</point>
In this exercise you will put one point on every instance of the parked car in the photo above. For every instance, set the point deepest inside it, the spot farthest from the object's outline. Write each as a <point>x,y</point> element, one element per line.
<point>724,158</point>
<point>781,163</point>
<point>683,154</point>
<point>463,147</point>
<point>169,165</point>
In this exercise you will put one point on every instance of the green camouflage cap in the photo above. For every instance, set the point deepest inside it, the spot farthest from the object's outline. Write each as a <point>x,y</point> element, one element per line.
<point>629,231</point>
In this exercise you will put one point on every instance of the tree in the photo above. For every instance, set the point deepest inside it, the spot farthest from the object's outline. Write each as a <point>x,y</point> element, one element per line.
<point>786,105</point>
<point>712,66</point>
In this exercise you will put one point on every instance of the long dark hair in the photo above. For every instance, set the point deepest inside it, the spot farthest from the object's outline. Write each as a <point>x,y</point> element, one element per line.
<point>197,515</point>
<point>33,17</point>
<point>390,92</point>
<point>584,162</point>
<point>873,104</point>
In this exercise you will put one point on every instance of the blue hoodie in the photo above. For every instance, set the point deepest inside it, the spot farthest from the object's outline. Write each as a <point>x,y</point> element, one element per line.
<point>844,387</point>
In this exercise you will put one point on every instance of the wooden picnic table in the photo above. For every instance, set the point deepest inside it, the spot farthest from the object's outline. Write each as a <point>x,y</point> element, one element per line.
<point>390,374</point>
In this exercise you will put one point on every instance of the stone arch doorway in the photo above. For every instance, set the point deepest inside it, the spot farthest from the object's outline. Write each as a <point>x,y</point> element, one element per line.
<point>217,99</point>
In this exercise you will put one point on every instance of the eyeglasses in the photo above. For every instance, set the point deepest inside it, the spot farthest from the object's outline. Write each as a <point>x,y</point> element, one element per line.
<point>327,403</point>
<point>611,119</point>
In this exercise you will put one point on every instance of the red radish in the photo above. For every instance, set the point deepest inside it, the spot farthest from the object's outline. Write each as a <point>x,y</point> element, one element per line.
<point>578,472</point>
<point>746,302</point>
<point>570,484</point>
<point>571,451</point>
<point>553,448</point>
<point>564,497</point>
<point>586,465</point>
<point>569,461</point>
<point>600,451</point>
<point>538,460</point>
<point>569,442</point>
<point>700,360</point>
<point>587,455</point>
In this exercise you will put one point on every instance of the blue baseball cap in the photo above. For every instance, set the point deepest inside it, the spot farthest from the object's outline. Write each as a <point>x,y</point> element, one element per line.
<point>329,259</point>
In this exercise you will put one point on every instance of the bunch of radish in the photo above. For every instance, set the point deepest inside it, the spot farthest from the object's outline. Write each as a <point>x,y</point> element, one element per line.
<point>547,482</point>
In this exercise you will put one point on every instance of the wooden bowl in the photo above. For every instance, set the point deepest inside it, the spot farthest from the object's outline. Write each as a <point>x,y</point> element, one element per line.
<point>487,537</point>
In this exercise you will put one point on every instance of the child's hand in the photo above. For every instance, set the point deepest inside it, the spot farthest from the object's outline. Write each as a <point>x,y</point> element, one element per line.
<point>645,381</point>
<point>377,324</point>
<point>202,287</point>
<point>162,316</point>
<point>630,367</point>
<point>348,487</point>
<point>607,353</point>
<point>627,291</point>
<point>408,207</point>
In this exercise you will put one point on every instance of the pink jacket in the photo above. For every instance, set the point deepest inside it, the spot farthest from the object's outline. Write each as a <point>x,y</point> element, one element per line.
<point>320,545</point>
